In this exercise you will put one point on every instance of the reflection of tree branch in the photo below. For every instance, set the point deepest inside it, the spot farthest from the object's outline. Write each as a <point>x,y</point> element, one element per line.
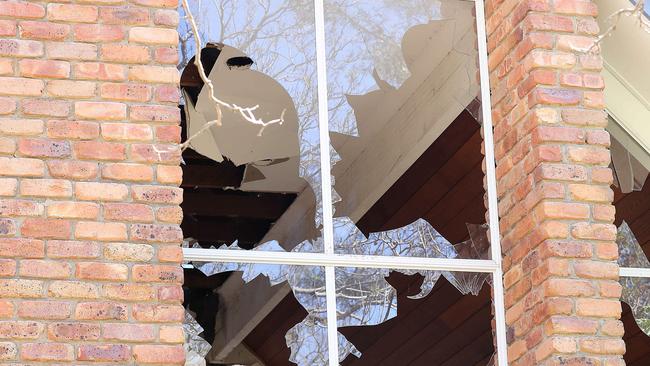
<point>245,112</point>
<point>614,19</point>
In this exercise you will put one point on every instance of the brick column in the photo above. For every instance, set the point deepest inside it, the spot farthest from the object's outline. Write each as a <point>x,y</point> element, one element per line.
<point>555,201</point>
<point>89,216</point>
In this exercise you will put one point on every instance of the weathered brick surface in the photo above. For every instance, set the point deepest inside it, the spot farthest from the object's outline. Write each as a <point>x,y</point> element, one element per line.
<point>555,203</point>
<point>89,215</point>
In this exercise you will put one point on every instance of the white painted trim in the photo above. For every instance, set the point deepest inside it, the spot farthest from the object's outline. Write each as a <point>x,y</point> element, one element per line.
<point>326,181</point>
<point>498,297</point>
<point>634,272</point>
<point>338,260</point>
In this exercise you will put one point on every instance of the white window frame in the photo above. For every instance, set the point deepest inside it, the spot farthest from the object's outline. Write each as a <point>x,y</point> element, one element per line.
<point>330,260</point>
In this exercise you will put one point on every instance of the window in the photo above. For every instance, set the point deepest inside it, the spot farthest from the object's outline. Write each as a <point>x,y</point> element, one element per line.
<point>320,107</point>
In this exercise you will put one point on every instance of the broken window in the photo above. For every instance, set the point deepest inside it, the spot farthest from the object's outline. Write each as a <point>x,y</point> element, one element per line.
<point>335,236</point>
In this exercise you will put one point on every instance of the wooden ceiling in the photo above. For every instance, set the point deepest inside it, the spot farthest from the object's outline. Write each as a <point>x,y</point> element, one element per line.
<point>445,187</point>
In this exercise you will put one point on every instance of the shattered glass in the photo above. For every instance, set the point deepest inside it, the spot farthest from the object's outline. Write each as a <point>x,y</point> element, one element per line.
<point>396,70</point>
<point>636,290</point>
<point>363,296</point>
<point>196,348</point>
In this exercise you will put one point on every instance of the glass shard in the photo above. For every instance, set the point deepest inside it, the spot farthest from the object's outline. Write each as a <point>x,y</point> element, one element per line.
<point>196,348</point>
<point>636,290</point>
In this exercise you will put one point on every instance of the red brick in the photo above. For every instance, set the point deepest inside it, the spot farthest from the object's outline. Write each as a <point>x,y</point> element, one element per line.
<point>73,210</point>
<point>154,74</point>
<point>100,110</point>
<point>128,332</point>
<point>45,107</point>
<point>98,33</point>
<point>69,249</point>
<point>7,105</point>
<point>70,169</point>
<point>21,86</point>
<point>166,55</point>
<point>6,309</point>
<point>146,354</point>
<point>21,127</point>
<point>50,188</point>
<point>72,13</point>
<point>600,308</point>
<point>124,53</point>
<point>150,113</point>
<point>571,325</point>
<point>172,334</point>
<point>167,93</point>
<point>44,148</point>
<point>128,172</point>
<point>568,287</point>
<point>7,269</point>
<point>152,233</point>
<point>99,150</point>
<point>10,207</point>
<point>173,294</point>
<point>157,194</point>
<point>101,311</point>
<point>21,247</point>
<point>19,288</point>
<point>73,331</point>
<point>20,329</point>
<point>21,167</point>
<point>157,273</point>
<point>128,212</point>
<point>129,292</point>
<point>43,30</point>
<point>157,3</point>
<point>44,269</point>
<point>170,253</point>
<point>151,35</point>
<point>71,89</point>
<point>591,193</point>
<point>73,290</point>
<point>47,352</point>
<point>168,174</point>
<point>150,313</point>
<point>50,310</point>
<point>128,92</point>
<point>166,17</point>
<point>104,352</point>
<point>126,132</point>
<point>124,15</point>
<point>91,191</point>
<point>72,130</point>
<point>8,186</point>
<point>102,271</point>
<point>102,231</point>
<point>127,252</point>
<point>8,28</point>
<point>99,71</point>
<point>602,346</point>
<point>170,133</point>
<point>21,9</point>
<point>155,153</point>
<point>71,51</point>
<point>44,68</point>
<point>171,214</point>
<point>46,228</point>
<point>20,48</point>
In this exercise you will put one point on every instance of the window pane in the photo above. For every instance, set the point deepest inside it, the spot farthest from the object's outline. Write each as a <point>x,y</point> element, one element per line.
<point>387,322</point>
<point>260,313</point>
<point>404,117</point>
<point>255,176</point>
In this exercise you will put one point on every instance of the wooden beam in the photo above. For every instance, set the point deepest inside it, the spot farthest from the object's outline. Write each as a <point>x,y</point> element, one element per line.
<point>236,204</point>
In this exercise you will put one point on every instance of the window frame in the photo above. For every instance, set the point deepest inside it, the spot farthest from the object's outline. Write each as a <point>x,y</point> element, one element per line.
<point>330,260</point>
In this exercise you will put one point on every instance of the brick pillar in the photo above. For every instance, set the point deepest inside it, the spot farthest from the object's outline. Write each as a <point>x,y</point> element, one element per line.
<point>89,216</point>
<point>555,201</point>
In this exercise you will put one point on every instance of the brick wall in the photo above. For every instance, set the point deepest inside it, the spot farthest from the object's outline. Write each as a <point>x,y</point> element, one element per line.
<point>555,201</point>
<point>89,216</point>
